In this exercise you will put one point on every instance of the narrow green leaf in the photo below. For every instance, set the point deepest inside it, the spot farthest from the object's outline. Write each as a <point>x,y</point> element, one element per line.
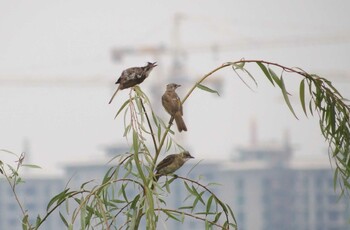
<point>167,185</point>
<point>171,180</point>
<point>217,217</point>
<point>127,130</point>
<point>118,201</point>
<point>189,189</point>
<point>88,218</point>
<point>77,200</point>
<point>231,213</point>
<point>123,106</point>
<point>159,133</point>
<point>7,151</point>
<point>82,216</point>
<point>251,76</point>
<point>186,207</point>
<point>168,144</point>
<point>135,143</point>
<point>155,118</point>
<point>302,95</point>
<point>207,225</point>
<point>85,183</point>
<point>275,78</point>
<point>107,177</point>
<point>329,83</point>
<point>123,188</point>
<point>199,195</point>
<point>311,107</point>
<point>209,203</point>
<point>331,110</point>
<point>63,219</point>
<point>59,196</point>
<point>31,166</point>
<point>25,225</point>
<point>134,202</point>
<point>243,79</point>
<point>335,178</point>
<point>205,88</point>
<point>139,105</point>
<point>286,98</point>
<point>172,216</point>
<point>266,72</point>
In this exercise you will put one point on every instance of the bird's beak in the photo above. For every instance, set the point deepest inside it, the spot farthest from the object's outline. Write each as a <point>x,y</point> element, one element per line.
<point>177,86</point>
<point>154,64</point>
<point>191,156</point>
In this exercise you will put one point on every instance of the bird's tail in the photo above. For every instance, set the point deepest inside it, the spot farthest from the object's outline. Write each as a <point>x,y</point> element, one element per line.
<point>181,126</point>
<point>115,93</point>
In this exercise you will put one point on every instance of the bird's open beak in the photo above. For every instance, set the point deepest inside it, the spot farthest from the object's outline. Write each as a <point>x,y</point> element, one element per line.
<point>154,64</point>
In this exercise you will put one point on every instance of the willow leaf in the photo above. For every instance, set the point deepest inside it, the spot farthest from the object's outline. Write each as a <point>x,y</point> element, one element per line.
<point>206,88</point>
<point>266,72</point>
<point>302,95</point>
<point>286,98</point>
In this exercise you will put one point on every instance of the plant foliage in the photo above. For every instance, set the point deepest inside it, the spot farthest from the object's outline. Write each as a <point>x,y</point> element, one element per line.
<point>126,199</point>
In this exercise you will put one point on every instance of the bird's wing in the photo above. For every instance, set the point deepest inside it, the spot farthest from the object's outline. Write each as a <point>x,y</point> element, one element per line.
<point>171,102</point>
<point>165,162</point>
<point>167,102</point>
<point>177,103</point>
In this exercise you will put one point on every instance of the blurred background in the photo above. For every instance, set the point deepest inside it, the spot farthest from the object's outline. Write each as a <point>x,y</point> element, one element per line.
<point>59,61</point>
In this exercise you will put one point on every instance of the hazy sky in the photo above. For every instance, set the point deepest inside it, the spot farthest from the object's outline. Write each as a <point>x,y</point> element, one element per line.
<point>50,51</point>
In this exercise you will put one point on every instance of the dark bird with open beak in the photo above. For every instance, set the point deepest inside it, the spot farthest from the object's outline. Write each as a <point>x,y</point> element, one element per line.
<point>173,105</point>
<point>133,76</point>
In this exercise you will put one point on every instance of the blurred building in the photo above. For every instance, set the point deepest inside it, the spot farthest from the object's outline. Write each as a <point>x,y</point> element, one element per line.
<point>269,189</point>
<point>265,186</point>
<point>34,194</point>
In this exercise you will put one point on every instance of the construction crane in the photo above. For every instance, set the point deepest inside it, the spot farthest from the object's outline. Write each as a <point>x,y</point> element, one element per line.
<point>177,52</point>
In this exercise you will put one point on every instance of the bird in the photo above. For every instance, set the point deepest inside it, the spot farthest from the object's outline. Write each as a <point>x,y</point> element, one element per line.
<point>133,76</point>
<point>171,163</point>
<point>172,104</point>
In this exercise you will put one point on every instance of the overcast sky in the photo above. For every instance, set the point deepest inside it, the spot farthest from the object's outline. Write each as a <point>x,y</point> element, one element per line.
<point>57,75</point>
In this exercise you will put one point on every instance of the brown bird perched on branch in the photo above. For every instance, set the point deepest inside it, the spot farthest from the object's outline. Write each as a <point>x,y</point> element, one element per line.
<point>173,105</point>
<point>133,76</point>
<point>171,163</point>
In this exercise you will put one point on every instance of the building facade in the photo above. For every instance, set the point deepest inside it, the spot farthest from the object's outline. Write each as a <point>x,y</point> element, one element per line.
<point>265,186</point>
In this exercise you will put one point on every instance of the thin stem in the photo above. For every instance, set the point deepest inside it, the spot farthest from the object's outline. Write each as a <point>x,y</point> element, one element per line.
<point>115,216</point>
<point>102,186</point>
<point>149,125</point>
<point>13,185</point>
<point>14,193</point>
<point>59,204</point>
<point>208,190</point>
<point>161,143</point>
<point>190,215</point>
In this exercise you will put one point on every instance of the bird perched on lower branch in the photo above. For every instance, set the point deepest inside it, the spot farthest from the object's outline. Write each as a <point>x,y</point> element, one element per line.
<point>173,105</point>
<point>171,163</point>
<point>133,76</point>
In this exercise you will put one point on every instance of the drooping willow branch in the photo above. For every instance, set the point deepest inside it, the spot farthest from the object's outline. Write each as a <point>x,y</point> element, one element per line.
<point>325,99</point>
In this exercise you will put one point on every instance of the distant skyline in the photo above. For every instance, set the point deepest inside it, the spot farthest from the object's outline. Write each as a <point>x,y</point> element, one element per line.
<point>62,121</point>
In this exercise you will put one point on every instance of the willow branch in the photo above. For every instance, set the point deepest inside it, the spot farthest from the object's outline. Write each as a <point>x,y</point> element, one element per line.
<point>150,126</point>
<point>190,215</point>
